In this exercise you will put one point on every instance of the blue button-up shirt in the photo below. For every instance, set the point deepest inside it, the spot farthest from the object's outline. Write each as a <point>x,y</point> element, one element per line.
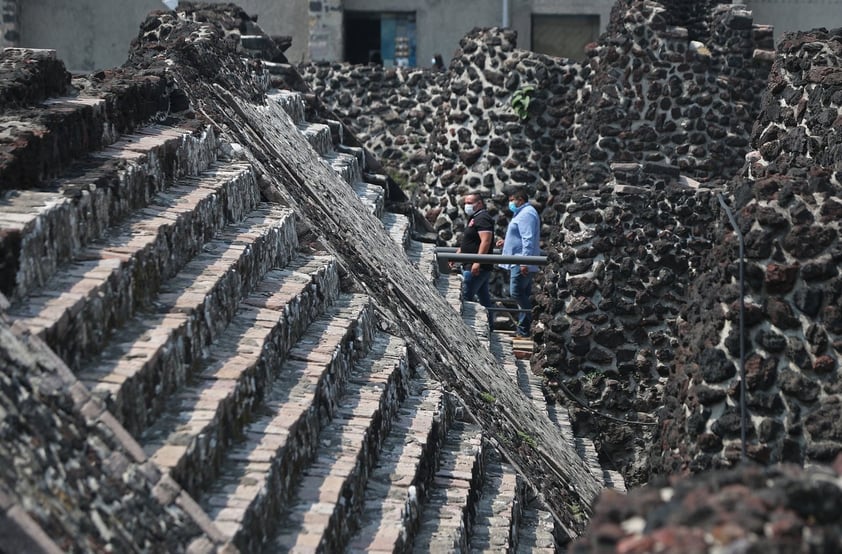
<point>523,236</point>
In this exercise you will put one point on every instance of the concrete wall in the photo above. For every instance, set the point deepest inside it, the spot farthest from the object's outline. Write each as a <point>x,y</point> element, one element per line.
<point>522,11</point>
<point>87,34</point>
<point>796,15</point>
<point>95,34</point>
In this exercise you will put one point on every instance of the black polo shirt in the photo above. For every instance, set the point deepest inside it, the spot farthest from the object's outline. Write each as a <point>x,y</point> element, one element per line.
<point>480,221</point>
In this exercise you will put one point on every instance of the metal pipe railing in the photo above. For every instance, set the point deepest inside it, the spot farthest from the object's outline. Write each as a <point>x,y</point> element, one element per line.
<point>493,258</point>
<point>445,254</point>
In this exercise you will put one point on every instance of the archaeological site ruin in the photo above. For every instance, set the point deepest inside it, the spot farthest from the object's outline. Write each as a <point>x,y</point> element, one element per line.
<point>223,326</point>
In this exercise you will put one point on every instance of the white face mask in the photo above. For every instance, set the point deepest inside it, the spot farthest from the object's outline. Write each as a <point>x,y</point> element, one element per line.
<point>469,210</point>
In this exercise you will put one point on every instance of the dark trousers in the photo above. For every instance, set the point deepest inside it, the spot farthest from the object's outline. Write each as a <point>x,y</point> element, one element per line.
<point>476,287</point>
<point>520,288</point>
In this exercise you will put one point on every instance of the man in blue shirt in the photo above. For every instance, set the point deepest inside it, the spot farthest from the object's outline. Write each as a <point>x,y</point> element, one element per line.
<point>523,238</point>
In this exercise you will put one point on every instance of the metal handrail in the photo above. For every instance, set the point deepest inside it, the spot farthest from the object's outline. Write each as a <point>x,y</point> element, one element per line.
<point>445,254</point>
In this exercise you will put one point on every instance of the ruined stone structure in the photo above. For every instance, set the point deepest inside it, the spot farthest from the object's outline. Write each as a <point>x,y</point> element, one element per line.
<point>217,333</point>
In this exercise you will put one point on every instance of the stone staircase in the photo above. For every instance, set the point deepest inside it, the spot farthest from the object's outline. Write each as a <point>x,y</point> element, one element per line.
<point>263,387</point>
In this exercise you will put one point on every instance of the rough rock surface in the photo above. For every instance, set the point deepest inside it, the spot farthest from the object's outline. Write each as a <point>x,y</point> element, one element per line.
<point>787,208</point>
<point>751,509</point>
<point>73,468</point>
<point>666,121</point>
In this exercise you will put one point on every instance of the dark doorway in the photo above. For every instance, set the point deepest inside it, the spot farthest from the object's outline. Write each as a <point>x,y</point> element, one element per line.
<point>362,37</point>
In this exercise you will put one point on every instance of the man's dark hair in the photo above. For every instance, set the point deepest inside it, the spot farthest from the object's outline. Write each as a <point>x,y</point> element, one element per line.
<point>477,194</point>
<point>519,193</point>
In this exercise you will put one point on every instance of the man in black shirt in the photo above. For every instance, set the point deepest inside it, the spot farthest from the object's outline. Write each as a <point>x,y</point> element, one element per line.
<point>477,239</point>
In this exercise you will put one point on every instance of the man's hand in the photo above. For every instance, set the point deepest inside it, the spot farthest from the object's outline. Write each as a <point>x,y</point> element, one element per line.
<point>500,243</point>
<point>524,270</point>
<point>475,269</point>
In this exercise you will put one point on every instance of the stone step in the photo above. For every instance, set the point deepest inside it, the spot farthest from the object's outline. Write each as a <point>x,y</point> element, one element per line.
<point>614,480</point>
<point>371,196</point>
<point>451,288</point>
<point>292,103</point>
<point>423,256</point>
<point>319,137</point>
<point>331,488</point>
<point>476,317</point>
<point>398,227</point>
<point>356,151</point>
<point>498,511</point>
<point>43,142</point>
<point>157,352</point>
<point>111,280</point>
<point>259,472</point>
<point>398,484</point>
<point>203,420</point>
<point>345,165</point>
<point>40,230</point>
<point>257,43</point>
<point>536,533</point>
<point>338,131</point>
<point>448,515</point>
<point>275,68</point>
<point>378,179</point>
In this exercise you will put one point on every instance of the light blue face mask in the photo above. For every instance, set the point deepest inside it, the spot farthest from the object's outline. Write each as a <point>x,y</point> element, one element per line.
<point>469,210</point>
<point>513,207</point>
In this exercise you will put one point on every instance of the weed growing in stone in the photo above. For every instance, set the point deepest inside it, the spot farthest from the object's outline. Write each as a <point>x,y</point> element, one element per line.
<point>521,99</point>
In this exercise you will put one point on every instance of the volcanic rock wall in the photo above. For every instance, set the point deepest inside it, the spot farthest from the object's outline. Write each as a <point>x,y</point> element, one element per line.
<point>788,207</point>
<point>659,96</point>
<point>750,509</point>
<point>472,137</point>
<point>667,120</point>
<point>392,111</point>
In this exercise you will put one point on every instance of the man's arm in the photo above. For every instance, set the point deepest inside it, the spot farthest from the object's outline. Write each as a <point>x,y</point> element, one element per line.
<point>529,235</point>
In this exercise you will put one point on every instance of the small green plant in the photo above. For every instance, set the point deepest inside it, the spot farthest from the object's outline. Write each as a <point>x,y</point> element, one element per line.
<point>526,438</point>
<point>575,510</point>
<point>488,398</point>
<point>521,99</point>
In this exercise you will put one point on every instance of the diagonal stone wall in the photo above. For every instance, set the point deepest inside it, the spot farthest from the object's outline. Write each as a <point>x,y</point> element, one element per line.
<point>83,481</point>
